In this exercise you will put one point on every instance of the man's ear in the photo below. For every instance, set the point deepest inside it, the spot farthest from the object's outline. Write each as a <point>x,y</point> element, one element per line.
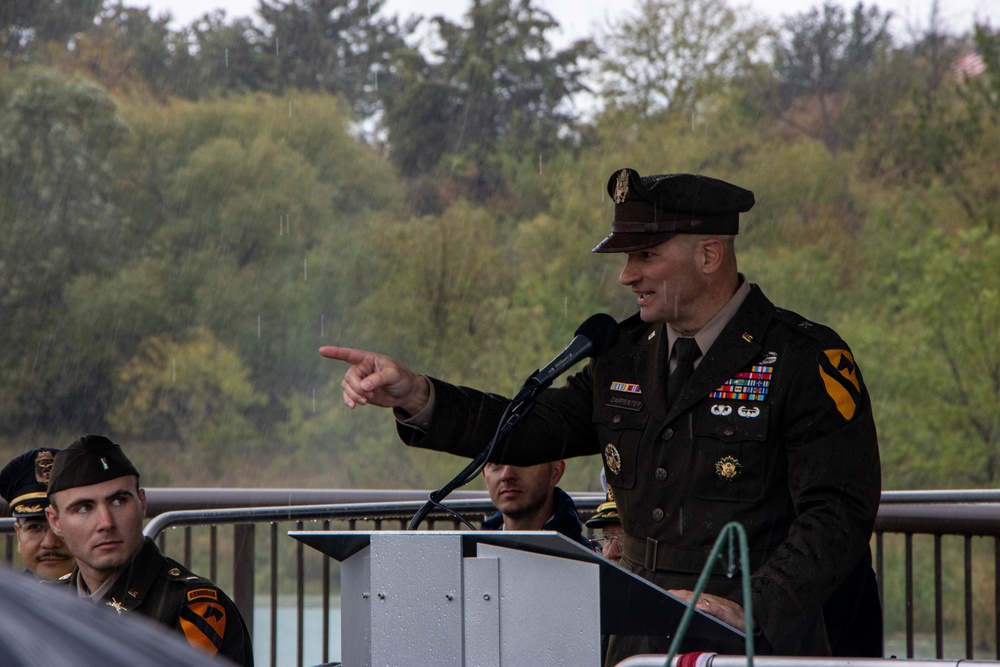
<point>53,518</point>
<point>711,253</point>
<point>142,499</point>
<point>558,468</point>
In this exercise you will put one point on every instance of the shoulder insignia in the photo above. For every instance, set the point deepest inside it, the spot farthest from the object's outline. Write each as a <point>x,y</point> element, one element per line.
<point>840,378</point>
<point>204,625</point>
<point>196,593</point>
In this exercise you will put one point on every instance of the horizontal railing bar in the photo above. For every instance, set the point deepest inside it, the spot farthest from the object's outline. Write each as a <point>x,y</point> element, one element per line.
<point>164,499</point>
<point>787,661</point>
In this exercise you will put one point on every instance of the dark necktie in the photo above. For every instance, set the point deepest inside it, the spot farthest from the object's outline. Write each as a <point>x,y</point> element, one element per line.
<point>686,351</point>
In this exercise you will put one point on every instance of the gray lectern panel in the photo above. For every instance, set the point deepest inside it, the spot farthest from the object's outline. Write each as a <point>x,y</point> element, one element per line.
<point>627,603</point>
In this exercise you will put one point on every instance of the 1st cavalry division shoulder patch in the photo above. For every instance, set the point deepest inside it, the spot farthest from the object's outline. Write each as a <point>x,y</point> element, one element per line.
<point>204,625</point>
<point>840,378</point>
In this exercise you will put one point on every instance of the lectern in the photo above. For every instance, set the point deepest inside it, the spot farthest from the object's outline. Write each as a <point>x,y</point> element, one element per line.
<point>493,599</point>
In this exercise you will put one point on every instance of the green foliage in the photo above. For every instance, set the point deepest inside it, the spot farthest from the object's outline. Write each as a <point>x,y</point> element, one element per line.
<point>672,56</point>
<point>195,390</point>
<point>28,24</point>
<point>490,88</point>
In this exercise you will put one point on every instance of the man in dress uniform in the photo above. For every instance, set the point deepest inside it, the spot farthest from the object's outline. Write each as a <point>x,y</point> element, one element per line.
<point>611,535</point>
<point>22,484</point>
<point>97,506</point>
<point>714,406</point>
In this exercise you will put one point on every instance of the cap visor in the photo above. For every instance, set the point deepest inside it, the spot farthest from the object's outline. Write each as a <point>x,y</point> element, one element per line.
<point>619,242</point>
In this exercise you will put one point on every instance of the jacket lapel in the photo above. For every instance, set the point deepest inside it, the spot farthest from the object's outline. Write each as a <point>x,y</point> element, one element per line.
<point>735,348</point>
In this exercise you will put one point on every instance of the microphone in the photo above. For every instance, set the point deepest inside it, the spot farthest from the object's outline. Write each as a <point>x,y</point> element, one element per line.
<point>594,337</point>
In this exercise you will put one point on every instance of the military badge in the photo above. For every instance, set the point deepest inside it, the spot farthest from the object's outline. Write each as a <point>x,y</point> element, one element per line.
<point>621,186</point>
<point>204,625</point>
<point>728,468</point>
<point>43,466</point>
<point>116,605</point>
<point>840,378</point>
<point>613,458</point>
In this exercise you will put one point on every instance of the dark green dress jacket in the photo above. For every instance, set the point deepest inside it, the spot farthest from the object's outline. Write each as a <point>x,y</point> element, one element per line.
<point>774,431</point>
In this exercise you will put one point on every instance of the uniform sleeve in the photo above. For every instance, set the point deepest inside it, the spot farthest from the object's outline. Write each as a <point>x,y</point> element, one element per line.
<point>465,420</point>
<point>834,479</point>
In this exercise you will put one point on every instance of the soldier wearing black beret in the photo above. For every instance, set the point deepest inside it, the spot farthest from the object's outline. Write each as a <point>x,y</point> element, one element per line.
<point>98,507</point>
<point>714,406</point>
<point>23,483</point>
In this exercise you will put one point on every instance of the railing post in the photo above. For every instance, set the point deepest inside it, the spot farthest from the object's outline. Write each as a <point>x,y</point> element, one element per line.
<point>243,571</point>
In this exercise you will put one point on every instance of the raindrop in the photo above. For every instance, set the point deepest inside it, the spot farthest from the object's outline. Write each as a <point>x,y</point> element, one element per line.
<point>227,58</point>
<point>305,270</point>
<point>277,51</point>
<point>173,371</point>
<point>289,108</point>
<point>539,164</point>
<point>314,400</point>
<point>258,325</point>
<point>322,323</point>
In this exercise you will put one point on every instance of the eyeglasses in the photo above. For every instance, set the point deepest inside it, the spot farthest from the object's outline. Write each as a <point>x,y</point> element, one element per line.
<point>608,538</point>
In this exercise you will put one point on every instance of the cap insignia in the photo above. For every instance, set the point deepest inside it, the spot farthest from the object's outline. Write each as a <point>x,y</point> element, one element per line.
<point>104,463</point>
<point>621,186</point>
<point>174,572</point>
<point>613,458</point>
<point>728,468</point>
<point>43,466</point>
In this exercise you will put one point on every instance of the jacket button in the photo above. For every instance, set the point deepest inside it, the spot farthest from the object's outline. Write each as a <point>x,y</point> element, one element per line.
<point>661,474</point>
<point>729,430</point>
<point>668,433</point>
<point>657,514</point>
<point>616,419</point>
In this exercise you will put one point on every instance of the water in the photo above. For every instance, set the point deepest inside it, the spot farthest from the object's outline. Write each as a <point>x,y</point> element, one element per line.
<point>287,647</point>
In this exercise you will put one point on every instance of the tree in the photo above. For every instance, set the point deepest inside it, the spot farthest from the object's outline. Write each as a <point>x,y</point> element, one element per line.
<point>342,47</point>
<point>195,390</point>
<point>817,55</point>
<point>492,86</point>
<point>57,137</point>
<point>672,55</point>
<point>25,24</point>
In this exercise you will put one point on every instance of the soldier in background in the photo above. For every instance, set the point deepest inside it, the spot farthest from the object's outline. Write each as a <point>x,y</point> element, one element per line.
<point>97,506</point>
<point>23,483</point>
<point>611,534</point>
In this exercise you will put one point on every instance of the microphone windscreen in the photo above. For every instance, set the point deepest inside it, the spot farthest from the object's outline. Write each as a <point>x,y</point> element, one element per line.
<point>602,330</point>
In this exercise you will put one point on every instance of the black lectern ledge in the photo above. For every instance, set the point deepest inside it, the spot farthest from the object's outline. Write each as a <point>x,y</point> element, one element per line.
<point>494,599</point>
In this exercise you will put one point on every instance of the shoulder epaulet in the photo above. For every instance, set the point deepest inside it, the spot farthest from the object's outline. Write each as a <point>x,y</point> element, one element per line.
<point>822,334</point>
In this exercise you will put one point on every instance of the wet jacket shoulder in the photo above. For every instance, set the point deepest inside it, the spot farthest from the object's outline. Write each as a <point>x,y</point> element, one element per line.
<point>163,589</point>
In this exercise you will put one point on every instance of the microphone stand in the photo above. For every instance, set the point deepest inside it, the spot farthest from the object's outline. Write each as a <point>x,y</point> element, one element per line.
<point>519,407</point>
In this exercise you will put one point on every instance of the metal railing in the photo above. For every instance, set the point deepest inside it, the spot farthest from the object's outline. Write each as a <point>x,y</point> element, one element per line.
<point>937,555</point>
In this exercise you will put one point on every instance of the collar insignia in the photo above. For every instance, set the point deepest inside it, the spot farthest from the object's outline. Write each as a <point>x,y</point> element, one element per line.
<point>116,605</point>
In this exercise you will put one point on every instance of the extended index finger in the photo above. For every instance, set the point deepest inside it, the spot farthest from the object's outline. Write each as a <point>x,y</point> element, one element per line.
<point>348,354</point>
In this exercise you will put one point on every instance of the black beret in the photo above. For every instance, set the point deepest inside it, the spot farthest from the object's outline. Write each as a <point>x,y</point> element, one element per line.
<point>606,514</point>
<point>23,482</point>
<point>652,209</point>
<point>90,460</point>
